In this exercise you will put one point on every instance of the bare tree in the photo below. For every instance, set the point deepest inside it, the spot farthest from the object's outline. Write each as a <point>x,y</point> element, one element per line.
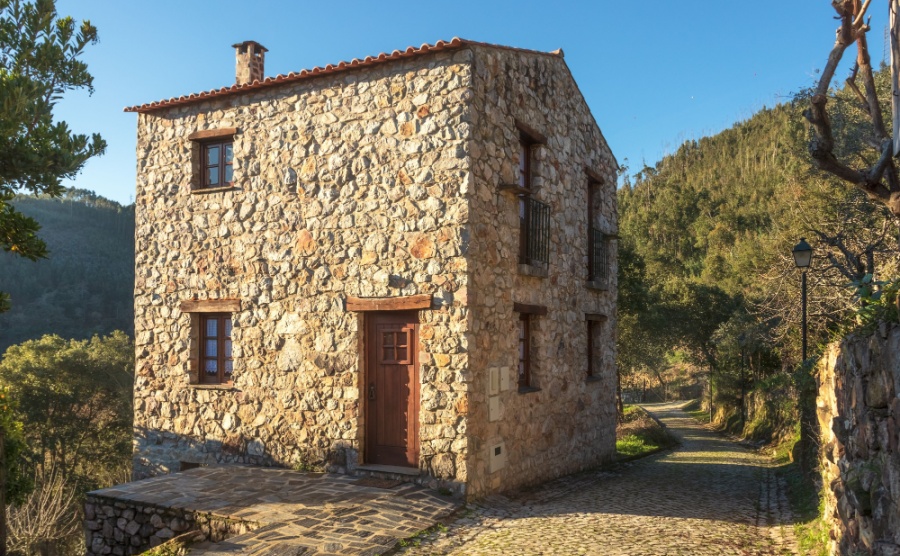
<point>48,522</point>
<point>879,179</point>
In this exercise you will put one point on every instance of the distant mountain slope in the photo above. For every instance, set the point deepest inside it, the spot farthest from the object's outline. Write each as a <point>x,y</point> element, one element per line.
<point>725,211</point>
<point>708,211</point>
<point>85,287</point>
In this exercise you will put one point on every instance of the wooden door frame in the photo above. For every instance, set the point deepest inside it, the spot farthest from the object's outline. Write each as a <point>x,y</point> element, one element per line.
<point>367,355</point>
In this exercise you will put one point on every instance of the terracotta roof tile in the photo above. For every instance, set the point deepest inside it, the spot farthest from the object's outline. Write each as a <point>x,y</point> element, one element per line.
<point>279,79</point>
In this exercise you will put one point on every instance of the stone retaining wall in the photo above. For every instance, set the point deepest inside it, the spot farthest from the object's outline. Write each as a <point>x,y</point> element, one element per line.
<point>125,528</point>
<point>859,418</point>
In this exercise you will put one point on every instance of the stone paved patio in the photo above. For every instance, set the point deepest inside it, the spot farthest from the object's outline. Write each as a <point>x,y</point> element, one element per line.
<point>292,513</point>
<point>710,497</point>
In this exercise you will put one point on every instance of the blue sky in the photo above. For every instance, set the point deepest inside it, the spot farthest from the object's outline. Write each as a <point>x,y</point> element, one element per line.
<point>655,73</point>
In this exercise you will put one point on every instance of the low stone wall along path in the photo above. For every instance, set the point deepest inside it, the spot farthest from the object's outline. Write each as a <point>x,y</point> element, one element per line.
<point>710,496</point>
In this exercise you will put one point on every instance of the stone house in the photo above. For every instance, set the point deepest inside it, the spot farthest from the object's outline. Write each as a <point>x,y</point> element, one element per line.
<point>399,265</point>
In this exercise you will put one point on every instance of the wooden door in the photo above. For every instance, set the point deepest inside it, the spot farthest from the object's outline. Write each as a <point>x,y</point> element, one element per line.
<point>392,389</point>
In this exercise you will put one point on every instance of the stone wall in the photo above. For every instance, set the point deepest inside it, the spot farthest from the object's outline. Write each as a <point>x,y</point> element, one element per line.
<point>569,423</point>
<point>125,528</point>
<point>859,418</point>
<point>350,184</point>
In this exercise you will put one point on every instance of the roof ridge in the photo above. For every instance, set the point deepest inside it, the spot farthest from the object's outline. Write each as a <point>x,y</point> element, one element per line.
<point>409,51</point>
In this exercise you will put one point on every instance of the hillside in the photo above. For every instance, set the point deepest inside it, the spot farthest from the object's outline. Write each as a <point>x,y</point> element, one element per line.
<point>704,212</point>
<point>85,285</point>
<point>706,237</point>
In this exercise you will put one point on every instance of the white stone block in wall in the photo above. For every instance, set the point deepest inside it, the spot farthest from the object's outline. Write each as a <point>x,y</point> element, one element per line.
<point>495,410</point>
<point>493,381</point>
<point>497,456</point>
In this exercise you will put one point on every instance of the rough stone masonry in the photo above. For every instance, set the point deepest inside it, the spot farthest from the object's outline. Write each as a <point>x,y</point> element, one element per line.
<point>859,421</point>
<point>382,179</point>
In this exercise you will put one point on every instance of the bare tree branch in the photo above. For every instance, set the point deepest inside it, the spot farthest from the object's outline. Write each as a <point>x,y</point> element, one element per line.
<point>851,82</point>
<point>880,181</point>
<point>862,13</point>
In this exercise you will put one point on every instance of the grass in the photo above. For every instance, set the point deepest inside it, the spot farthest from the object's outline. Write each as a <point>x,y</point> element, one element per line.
<point>167,549</point>
<point>633,445</point>
<point>639,434</point>
<point>416,539</point>
<point>695,410</point>
<point>805,498</point>
<point>808,507</point>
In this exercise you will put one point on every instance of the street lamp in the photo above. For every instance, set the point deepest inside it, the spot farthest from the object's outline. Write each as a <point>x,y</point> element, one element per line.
<point>742,341</point>
<point>802,257</point>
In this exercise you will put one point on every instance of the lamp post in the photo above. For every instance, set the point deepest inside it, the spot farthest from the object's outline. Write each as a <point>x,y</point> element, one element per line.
<point>742,339</point>
<point>808,445</point>
<point>802,257</point>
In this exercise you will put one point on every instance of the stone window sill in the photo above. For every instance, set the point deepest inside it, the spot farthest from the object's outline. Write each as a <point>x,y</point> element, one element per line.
<point>528,389</point>
<point>532,270</point>
<point>212,189</point>
<point>593,378</point>
<point>595,285</point>
<point>228,386</point>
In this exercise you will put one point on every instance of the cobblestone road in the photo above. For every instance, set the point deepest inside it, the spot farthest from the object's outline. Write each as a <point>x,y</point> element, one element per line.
<point>710,496</point>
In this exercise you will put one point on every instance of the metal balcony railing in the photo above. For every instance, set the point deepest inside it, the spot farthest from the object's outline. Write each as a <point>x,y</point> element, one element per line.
<point>598,257</point>
<point>536,233</point>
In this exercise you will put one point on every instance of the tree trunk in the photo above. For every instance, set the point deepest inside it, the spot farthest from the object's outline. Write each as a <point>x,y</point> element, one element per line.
<point>662,383</point>
<point>620,407</point>
<point>895,70</point>
<point>2,491</point>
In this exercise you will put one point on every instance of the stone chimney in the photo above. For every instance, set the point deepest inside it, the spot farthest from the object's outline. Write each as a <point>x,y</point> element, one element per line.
<point>251,62</point>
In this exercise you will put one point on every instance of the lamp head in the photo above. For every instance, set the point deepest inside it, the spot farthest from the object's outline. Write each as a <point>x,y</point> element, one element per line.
<point>802,254</point>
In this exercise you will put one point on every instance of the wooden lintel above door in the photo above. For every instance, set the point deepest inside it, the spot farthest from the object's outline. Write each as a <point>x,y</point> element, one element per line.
<point>404,303</point>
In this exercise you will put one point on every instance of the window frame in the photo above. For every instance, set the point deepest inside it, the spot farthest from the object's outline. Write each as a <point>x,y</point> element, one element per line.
<point>222,376</point>
<point>595,326</point>
<point>534,215</point>
<point>598,242</point>
<point>526,152</point>
<point>525,343</point>
<point>201,142</point>
<point>221,165</point>
<point>590,349</point>
<point>592,184</point>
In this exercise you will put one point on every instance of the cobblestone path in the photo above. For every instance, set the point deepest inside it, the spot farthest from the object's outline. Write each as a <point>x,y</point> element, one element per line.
<point>711,496</point>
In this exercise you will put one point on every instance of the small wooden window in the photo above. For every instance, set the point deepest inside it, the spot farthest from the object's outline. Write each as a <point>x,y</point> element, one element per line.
<point>524,351</point>
<point>217,164</point>
<point>216,363</point>
<point>593,346</point>
<point>595,324</point>
<point>597,241</point>
<point>525,153</point>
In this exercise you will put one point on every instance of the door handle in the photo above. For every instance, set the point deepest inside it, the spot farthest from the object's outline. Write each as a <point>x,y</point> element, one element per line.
<point>372,391</point>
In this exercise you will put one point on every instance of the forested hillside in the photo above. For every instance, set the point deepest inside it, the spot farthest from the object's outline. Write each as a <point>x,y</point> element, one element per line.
<point>85,285</point>
<point>707,235</point>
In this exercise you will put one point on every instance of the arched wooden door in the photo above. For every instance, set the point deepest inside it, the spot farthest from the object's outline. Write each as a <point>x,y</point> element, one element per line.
<point>392,389</point>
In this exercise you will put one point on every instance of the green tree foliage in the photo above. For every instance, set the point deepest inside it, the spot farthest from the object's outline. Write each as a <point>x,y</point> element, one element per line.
<point>712,226</point>
<point>86,287</point>
<point>39,62</point>
<point>15,449</point>
<point>74,397</point>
